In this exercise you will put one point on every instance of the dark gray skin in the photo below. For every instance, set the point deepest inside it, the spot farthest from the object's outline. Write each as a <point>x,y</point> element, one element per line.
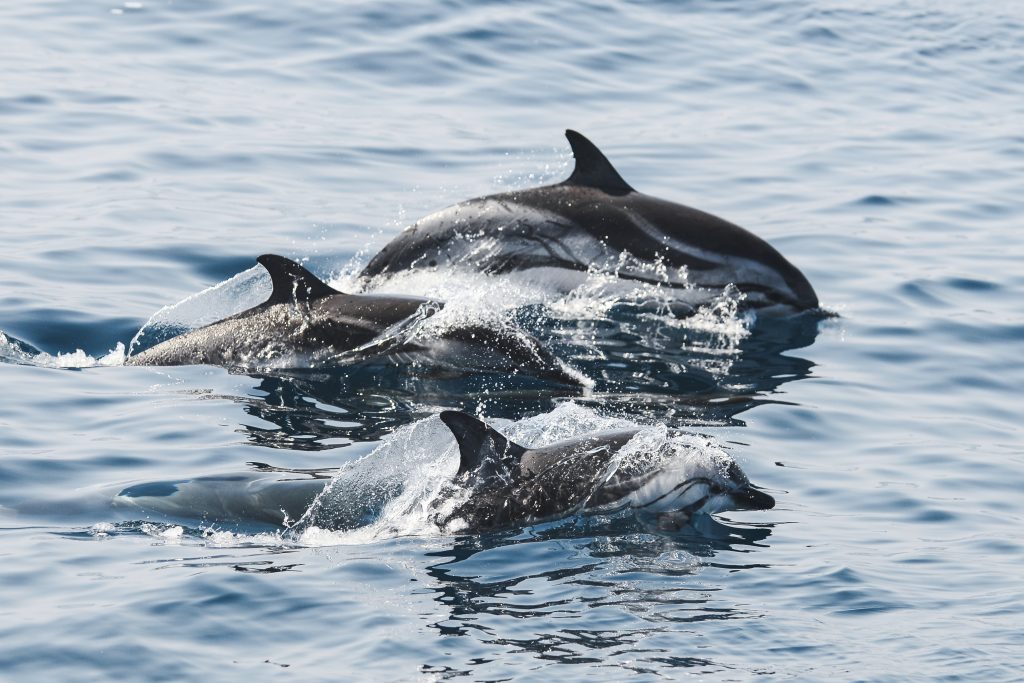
<point>592,219</point>
<point>302,316</point>
<point>304,319</point>
<point>516,486</point>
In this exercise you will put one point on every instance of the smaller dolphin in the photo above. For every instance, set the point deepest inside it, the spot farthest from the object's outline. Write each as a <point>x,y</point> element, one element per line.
<point>303,316</point>
<point>499,484</point>
<point>305,320</point>
<point>594,219</point>
<point>512,485</point>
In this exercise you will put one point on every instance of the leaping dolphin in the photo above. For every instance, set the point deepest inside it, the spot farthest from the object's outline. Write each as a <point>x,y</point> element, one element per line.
<point>512,485</point>
<point>306,321</point>
<point>595,219</point>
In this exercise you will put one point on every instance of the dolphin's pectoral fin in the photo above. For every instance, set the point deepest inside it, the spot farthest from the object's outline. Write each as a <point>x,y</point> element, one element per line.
<point>593,168</point>
<point>481,449</point>
<point>292,282</point>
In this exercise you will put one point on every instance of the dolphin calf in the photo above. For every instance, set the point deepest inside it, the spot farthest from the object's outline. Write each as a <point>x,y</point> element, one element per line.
<point>511,485</point>
<point>306,321</point>
<point>594,219</point>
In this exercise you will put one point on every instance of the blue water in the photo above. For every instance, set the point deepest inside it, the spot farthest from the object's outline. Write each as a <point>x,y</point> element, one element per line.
<point>149,150</point>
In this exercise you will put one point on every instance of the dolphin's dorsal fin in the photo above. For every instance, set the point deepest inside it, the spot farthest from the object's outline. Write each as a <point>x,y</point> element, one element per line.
<point>481,449</point>
<point>593,168</point>
<point>292,282</point>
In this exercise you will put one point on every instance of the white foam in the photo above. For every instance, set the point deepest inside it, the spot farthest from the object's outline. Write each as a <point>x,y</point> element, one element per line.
<point>171,534</point>
<point>102,529</point>
<point>11,351</point>
<point>716,327</point>
<point>221,538</point>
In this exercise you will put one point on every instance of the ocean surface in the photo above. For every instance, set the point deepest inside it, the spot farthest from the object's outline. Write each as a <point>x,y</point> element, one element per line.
<point>149,151</point>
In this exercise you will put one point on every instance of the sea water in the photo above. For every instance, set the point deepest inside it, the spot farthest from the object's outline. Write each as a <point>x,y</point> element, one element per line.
<point>149,151</point>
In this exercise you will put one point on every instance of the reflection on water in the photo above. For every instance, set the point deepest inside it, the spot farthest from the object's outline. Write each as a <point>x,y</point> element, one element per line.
<point>672,376</point>
<point>316,410</point>
<point>611,590</point>
<point>588,597</point>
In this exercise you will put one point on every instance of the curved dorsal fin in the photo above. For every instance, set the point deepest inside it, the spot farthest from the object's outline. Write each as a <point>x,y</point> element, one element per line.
<point>292,282</point>
<point>481,449</point>
<point>593,168</point>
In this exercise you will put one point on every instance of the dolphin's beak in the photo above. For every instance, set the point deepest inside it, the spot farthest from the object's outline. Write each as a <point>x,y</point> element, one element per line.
<point>752,498</point>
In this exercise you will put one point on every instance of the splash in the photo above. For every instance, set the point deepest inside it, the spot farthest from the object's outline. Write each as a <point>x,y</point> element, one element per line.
<point>18,352</point>
<point>239,292</point>
<point>169,534</point>
<point>525,300</point>
<point>709,321</point>
<point>509,305</point>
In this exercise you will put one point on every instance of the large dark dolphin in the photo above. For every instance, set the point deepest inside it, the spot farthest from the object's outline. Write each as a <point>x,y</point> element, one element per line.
<point>595,219</point>
<point>516,486</point>
<point>305,321</point>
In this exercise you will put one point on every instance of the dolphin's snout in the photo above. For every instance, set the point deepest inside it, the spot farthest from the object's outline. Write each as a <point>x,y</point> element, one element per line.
<point>752,498</point>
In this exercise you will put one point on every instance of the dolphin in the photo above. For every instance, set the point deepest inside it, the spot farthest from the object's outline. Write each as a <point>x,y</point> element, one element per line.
<point>594,219</point>
<point>499,484</point>
<point>253,497</point>
<point>305,320</point>
<point>511,485</point>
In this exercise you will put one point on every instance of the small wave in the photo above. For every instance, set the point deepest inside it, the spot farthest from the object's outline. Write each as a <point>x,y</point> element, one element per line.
<point>16,351</point>
<point>177,534</point>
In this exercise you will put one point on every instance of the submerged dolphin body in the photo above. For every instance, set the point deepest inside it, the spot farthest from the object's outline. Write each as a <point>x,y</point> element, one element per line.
<point>304,320</point>
<point>265,498</point>
<point>516,486</point>
<point>594,219</point>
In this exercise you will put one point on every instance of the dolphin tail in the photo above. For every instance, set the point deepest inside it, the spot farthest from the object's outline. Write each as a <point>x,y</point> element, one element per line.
<point>481,449</point>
